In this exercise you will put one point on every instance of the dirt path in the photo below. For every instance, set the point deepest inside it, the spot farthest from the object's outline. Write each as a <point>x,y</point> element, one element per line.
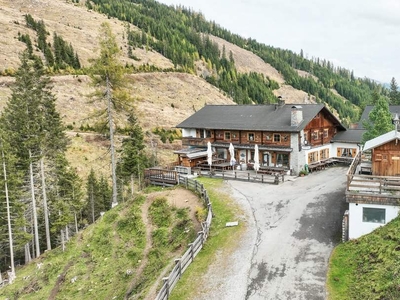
<point>59,281</point>
<point>180,198</point>
<point>149,245</point>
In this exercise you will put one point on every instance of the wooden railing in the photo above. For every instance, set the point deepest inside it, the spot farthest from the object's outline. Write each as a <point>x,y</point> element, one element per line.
<point>352,170</point>
<point>372,186</point>
<point>187,258</point>
<point>192,141</point>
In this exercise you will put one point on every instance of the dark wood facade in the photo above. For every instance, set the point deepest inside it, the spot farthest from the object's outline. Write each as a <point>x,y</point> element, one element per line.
<point>320,130</point>
<point>386,159</point>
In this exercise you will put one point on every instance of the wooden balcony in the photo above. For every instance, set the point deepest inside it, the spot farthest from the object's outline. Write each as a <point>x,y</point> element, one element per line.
<point>192,141</point>
<point>370,189</point>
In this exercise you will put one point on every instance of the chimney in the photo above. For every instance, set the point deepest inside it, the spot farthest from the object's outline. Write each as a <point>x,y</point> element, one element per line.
<point>296,116</point>
<point>280,103</point>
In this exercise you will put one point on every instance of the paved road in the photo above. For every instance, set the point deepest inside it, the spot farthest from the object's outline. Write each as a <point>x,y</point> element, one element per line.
<point>293,228</point>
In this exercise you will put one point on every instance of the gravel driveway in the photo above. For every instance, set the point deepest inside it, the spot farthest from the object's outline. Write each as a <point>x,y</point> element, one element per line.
<point>292,229</point>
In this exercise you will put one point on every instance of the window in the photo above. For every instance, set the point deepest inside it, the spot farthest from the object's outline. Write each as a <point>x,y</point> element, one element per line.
<point>277,138</point>
<point>208,133</point>
<point>251,137</point>
<point>378,157</point>
<point>315,135</point>
<point>374,215</point>
<point>282,160</point>
<point>326,131</point>
<point>324,153</point>
<point>312,157</point>
<point>227,135</point>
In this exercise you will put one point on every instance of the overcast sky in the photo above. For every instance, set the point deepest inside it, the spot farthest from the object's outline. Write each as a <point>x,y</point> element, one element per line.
<point>359,35</point>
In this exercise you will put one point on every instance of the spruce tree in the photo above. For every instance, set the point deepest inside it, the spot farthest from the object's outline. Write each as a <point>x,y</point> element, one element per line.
<point>132,157</point>
<point>32,127</point>
<point>379,119</point>
<point>394,93</point>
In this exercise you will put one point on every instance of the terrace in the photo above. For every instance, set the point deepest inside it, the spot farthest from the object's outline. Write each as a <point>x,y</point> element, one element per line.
<point>365,188</point>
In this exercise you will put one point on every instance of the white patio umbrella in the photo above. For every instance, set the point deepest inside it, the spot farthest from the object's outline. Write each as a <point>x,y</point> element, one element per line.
<point>256,159</point>
<point>232,154</point>
<point>209,154</point>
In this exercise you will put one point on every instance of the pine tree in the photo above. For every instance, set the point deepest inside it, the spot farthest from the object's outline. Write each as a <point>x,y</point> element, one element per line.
<point>394,93</point>
<point>379,119</point>
<point>133,159</point>
<point>108,73</point>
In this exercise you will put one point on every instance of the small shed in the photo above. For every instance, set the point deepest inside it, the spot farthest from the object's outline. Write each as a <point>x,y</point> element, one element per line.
<point>191,157</point>
<point>385,154</point>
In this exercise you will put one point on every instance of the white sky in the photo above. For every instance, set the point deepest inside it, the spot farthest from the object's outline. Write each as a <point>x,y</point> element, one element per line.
<point>359,35</point>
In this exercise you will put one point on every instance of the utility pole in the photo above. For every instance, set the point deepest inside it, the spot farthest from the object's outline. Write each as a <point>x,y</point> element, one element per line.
<point>8,221</point>
<point>113,164</point>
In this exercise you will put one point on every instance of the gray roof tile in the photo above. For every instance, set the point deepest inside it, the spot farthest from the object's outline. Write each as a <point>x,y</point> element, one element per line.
<point>252,117</point>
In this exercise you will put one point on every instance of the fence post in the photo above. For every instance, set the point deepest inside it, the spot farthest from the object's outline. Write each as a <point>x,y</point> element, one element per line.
<point>187,182</point>
<point>202,237</point>
<point>178,262</point>
<point>210,208</point>
<point>166,281</point>
<point>248,176</point>
<point>191,251</point>
<point>235,175</point>
<point>262,178</point>
<point>223,174</point>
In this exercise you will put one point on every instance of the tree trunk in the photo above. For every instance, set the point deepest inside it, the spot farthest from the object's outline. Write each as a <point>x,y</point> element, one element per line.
<point>10,237</point>
<point>66,233</point>
<point>132,185</point>
<point>76,223</point>
<point>92,202</point>
<point>45,209</point>
<point>28,256</point>
<point>35,224</point>
<point>113,163</point>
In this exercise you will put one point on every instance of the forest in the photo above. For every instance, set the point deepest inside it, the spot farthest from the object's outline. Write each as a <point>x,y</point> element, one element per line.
<point>180,34</point>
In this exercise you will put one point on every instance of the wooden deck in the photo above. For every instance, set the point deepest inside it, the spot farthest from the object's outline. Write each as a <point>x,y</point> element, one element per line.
<point>363,187</point>
<point>162,177</point>
<point>322,164</point>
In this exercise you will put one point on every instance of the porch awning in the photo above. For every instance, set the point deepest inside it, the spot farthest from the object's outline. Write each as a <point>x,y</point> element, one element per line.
<point>196,154</point>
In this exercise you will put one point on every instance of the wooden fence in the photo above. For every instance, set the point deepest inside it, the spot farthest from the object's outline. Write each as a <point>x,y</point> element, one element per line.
<point>187,258</point>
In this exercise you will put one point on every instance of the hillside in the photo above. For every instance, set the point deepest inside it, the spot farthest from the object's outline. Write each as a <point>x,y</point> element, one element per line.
<point>171,96</point>
<point>367,267</point>
<point>123,253</point>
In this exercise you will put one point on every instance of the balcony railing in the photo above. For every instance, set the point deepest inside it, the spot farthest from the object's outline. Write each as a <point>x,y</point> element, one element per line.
<point>363,188</point>
<point>192,141</point>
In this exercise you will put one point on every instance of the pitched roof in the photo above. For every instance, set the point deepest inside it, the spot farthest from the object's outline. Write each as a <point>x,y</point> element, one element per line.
<point>349,136</point>
<point>364,116</point>
<point>382,139</point>
<point>254,117</point>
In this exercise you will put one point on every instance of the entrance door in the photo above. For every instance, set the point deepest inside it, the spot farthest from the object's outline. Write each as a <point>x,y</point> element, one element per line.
<point>266,159</point>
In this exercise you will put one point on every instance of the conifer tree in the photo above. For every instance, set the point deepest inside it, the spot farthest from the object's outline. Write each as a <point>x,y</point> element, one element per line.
<point>108,73</point>
<point>379,119</point>
<point>31,126</point>
<point>394,93</point>
<point>132,157</point>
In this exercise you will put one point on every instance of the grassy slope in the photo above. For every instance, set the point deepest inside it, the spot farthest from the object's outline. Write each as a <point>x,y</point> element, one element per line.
<point>368,267</point>
<point>99,257</point>
<point>222,239</point>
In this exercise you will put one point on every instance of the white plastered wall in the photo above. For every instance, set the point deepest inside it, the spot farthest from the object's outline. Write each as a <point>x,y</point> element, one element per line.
<point>358,228</point>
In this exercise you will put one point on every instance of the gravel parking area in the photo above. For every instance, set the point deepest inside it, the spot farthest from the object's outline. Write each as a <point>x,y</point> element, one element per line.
<point>291,231</point>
